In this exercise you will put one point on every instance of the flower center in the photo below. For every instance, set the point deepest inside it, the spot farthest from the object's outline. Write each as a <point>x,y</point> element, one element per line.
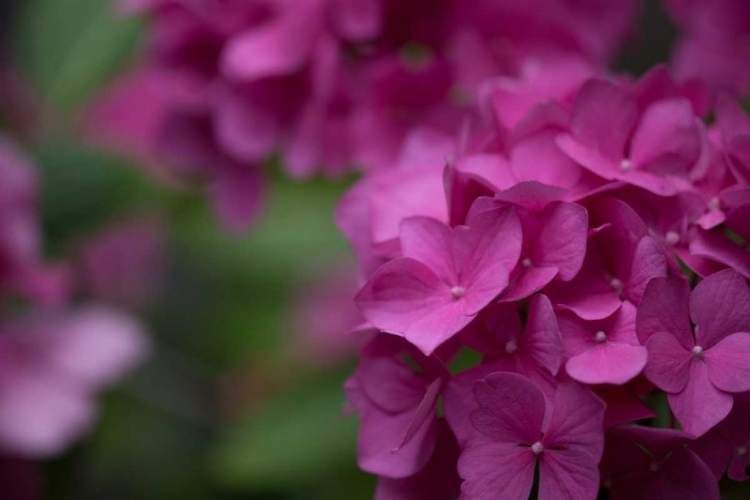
<point>741,451</point>
<point>537,448</point>
<point>714,203</point>
<point>672,237</point>
<point>654,467</point>
<point>600,337</point>
<point>458,292</point>
<point>511,347</point>
<point>697,351</point>
<point>526,263</point>
<point>626,165</point>
<point>617,285</point>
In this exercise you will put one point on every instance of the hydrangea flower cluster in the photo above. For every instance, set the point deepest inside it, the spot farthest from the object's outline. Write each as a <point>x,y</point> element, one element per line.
<point>714,42</point>
<point>55,357</point>
<point>334,84</point>
<point>591,243</point>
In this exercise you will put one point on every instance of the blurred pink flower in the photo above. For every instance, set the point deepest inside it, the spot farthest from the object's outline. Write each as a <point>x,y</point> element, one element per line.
<point>125,264</point>
<point>53,365</point>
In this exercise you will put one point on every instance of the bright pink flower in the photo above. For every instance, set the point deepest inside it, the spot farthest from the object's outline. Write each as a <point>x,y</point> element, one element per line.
<point>643,462</point>
<point>536,352</point>
<point>656,148</point>
<point>52,367</point>
<point>397,408</point>
<point>445,277</point>
<point>606,351</point>
<point>510,436</point>
<point>621,256</point>
<point>700,369</point>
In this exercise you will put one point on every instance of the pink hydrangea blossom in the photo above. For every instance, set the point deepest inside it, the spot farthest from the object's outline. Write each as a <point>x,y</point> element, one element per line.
<point>509,427</point>
<point>397,407</point>
<point>699,368</point>
<point>334,85</point>
<point>445,277</point>
<point>606,351</point>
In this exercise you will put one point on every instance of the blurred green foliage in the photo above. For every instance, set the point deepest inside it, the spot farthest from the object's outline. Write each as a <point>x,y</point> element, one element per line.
<point>68,48</point>
<point>220,411</point>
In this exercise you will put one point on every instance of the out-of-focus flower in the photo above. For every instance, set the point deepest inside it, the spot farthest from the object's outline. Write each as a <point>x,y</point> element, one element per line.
<point>125,263</point>
<point>53,365</point>
<point>21,268</point>
<point>326,320</point>
<point>336,84</point>
<point>714,42</point>
<point>642,462</point>
<point>53,360</point>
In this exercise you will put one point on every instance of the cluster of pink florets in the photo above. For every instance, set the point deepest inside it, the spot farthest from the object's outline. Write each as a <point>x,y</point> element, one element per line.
<point>336,84</point>
<point>585,235</point>
<point>64,335</point>
<point>589,241</point>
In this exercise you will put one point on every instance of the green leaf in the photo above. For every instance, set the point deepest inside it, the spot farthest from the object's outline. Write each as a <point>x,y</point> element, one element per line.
<point>298,439</point>
<point>68,48</point>
<point>82,190</point>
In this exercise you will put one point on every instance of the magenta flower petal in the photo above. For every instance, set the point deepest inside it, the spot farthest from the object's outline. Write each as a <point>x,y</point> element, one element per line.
<point>728,363</point>
<point>562,241</point>
<point>425,411</point>
<point>401,292</point>
<point>358,20</point>
<point>605,351</point>
<point>279,47</point>
<point>669,363</point>
<point>484,477</point>
<point>237,196</point>
<point>568,474</point>
<point>604,116</point>
<point>428,241</point>
<point>666,139</point>
<point>608,363</point>
<point>648,261</point>
<point>700,406</point>
<point>389,384</point>
<point>246,130</point>
<point>717,247</point>
<point>487,251</point>
<point>379,449</point>
<point>511,408</point>
<point>577,421</point>
<point>542,335</point>
<point>719,307</point>
<point>529,282</point>
<point>662,295</point>
<point>38,419</point>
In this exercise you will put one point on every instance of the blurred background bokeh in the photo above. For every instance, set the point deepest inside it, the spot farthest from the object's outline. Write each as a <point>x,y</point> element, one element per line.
<point>241,396</point>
